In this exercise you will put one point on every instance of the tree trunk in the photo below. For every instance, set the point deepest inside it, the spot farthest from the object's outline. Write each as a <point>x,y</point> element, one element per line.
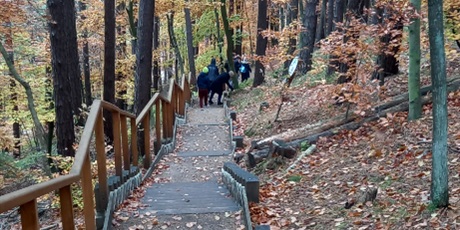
<point>322,22</point>
<point>190,51</point>
<point>261,43</point>
<point>308,36</point>
<point>173,42</point>
<point>330,17</point>
<point>75,75</point>
<point>339,12</point>
<point>14,94</point>
<point>228,34</point>
<point>250,36</point>
<point>219,36</point>
<point>156,61</point>
<point>239,29</point>
<point>120,53</point>
<point>273,22</point>
<point>87,72</point>
<point>64,60</point>
<point>231,13</point>
<point>386,61</point>
<point>109,65</point>
<point>292,15</point>
<point>50,124</point>
<point>132,26</point>
<point>282,19</point>
<point>86,65</point>
<point>440,171</point>
<point>143,77</point>
<point>415,105</point>
<point>356,9</point>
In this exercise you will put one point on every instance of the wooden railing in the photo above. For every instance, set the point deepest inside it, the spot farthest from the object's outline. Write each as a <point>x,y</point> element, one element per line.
<point>126,156</point>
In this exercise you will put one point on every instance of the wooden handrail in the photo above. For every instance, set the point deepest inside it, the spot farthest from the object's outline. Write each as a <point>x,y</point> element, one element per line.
<point>147,107</point>
<point>174,101</point>
<point>19,197</point>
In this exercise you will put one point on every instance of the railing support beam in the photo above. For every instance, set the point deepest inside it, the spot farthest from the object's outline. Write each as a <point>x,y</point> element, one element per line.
<point>65,197</point>
<point>148,154</point>
<point>29,215</point>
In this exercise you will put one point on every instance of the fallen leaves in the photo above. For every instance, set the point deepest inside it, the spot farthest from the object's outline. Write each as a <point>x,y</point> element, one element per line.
<point>390,154</point>
<point>190,224</point>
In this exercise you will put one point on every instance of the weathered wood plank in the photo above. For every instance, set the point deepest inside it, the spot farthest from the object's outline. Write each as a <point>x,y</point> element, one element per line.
<point>29,215</point>
<point>65,198</point>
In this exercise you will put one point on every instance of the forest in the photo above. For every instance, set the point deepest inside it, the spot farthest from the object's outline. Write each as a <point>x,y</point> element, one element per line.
<point>371,109</point>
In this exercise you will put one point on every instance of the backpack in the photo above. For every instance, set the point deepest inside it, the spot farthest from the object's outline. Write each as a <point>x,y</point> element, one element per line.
<point>212,75</point>
<point>243,69</point>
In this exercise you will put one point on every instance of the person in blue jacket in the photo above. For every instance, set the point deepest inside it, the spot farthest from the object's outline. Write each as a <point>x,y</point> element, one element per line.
<point>203,83</point>
<point>217,86</point>
<point>245,70</point>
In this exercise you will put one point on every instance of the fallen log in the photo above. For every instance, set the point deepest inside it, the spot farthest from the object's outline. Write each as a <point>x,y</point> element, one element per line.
<point>264,148</point>
<point>355,124</point>
<point>283,136</point>
<point>308,151</point>
<point>396,100</point>
<point>276,148</point>
<point>314,131</point>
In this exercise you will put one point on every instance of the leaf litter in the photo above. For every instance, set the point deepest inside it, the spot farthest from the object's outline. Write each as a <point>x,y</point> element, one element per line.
<point>391,155</point>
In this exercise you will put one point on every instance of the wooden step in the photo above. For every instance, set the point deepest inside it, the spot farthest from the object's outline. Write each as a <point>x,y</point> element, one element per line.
<point>188,197</point>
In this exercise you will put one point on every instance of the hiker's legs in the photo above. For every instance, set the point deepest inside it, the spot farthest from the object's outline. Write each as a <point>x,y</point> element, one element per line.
<point>244,77</point>
<point>206,98</point>
<point>219,98</point>
<point>210,97</point>
<point>203,94</point>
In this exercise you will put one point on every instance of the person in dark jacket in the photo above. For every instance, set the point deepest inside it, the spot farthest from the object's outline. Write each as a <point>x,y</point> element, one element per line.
<point>203,83</point>
<point>245,70</point>
<point>213,70</point>
<point>217,86</point>
<point>237,64</point>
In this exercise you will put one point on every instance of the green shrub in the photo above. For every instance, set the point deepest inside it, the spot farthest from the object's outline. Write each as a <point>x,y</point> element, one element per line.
<point>304,145</point>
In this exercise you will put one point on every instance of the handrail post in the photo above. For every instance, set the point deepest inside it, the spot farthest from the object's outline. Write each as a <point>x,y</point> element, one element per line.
<point>173,99</point>
<point>65,196</point>
<point>87,188</point>
<point>146,126</point>
<point>172,120</point>
<point>179,100</point>
<point>157,126</point>
<point>134,142</point>
<point>164,110</point>
<point>168,118</point>
<point>117,144</point>
<point>187,90</point>
<point>182,103</point>
<point>29,215</point>
<point>124,144</point>
<point>102,189</point>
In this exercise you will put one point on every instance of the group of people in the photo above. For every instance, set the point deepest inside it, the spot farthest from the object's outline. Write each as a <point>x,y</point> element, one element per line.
<point>210,82</point>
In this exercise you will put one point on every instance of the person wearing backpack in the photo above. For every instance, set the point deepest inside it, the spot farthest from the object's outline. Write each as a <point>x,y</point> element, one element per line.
<point>203,83</point>
<point>213,70</point>
<point>245,70</point>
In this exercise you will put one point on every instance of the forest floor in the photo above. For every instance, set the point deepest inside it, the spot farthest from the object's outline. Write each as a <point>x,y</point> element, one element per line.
<point>390,154</point>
